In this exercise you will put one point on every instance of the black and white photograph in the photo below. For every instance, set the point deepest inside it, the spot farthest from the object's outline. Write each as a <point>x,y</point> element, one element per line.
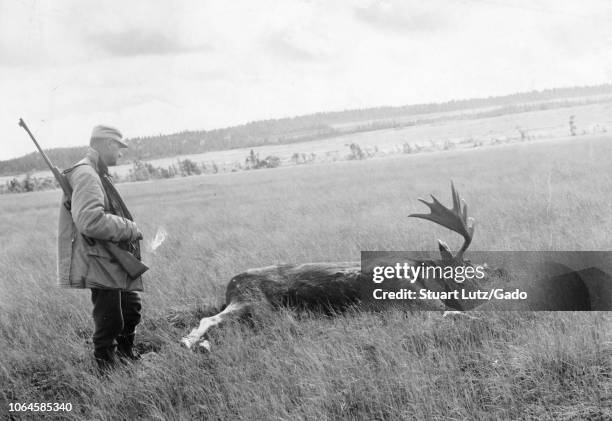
<point>306,210</point>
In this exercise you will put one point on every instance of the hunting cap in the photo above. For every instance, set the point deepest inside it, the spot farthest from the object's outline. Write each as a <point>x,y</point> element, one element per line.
<point>107,132</point>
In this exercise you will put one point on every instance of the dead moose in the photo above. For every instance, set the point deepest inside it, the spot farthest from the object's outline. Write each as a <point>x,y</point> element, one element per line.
<point>334,286</point>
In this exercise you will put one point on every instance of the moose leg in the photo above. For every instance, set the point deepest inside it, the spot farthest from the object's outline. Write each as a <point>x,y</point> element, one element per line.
<point>233,311</point>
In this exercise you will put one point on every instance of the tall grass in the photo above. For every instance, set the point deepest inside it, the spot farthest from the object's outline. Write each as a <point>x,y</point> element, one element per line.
<point>391,365</point>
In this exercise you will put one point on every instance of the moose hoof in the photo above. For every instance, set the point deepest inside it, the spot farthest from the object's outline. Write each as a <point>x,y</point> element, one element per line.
<point>204,345</point>
<point>186,342</point>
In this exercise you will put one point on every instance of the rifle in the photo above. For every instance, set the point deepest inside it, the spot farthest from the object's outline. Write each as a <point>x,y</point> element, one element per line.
<point>132,265</point>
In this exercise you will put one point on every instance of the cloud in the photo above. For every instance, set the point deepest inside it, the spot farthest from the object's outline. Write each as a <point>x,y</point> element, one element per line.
<point>402,17</point>
<point>65,31</point>
<point>296,45</point>
<point>136,42</point>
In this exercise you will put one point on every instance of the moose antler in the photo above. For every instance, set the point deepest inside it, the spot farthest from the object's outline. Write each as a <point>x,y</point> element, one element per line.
<point>455,219</point>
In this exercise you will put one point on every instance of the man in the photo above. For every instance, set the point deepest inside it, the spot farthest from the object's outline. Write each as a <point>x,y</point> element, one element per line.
<point>99,213</point>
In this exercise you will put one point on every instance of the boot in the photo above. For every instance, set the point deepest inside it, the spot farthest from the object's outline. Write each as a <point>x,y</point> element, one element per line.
<point>106,359</point>
<point>125,348</point>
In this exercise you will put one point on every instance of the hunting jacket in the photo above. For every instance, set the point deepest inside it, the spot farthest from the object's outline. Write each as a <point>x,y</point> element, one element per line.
<point>79,264</point>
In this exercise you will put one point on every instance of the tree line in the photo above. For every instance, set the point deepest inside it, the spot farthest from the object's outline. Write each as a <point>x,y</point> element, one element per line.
<point>304,128</point>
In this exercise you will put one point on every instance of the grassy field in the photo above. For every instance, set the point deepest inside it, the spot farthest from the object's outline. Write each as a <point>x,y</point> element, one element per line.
<point>552,195</point>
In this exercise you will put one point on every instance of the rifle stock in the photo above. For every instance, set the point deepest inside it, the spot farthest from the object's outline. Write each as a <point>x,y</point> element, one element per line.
<point>132,265</point>
<point>126,260</point>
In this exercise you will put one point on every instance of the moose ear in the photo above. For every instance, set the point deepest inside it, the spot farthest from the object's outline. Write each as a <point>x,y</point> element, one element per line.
<point>445,251</point>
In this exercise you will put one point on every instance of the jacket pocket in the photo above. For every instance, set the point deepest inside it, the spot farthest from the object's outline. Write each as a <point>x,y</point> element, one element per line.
<point>104,271</point>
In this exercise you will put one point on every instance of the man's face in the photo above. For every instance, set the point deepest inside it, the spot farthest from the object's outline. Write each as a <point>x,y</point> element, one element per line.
<point>111,153</point>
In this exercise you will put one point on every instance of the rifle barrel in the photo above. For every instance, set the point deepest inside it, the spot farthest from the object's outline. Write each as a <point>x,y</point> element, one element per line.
<point>25,127</point>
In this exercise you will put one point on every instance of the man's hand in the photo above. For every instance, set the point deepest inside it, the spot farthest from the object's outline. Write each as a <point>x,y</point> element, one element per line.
<point>139,236</point>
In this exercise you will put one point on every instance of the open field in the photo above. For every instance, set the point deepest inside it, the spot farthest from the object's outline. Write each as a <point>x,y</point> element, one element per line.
<point>544,124</point>
<point>538,125</point>
<point>552,195</point>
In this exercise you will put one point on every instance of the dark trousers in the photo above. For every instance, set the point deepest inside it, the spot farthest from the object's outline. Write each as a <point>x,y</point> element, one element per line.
<point>116,314</point>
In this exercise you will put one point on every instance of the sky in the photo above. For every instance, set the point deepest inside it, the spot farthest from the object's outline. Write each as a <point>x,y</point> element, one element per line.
<point>151,67</point>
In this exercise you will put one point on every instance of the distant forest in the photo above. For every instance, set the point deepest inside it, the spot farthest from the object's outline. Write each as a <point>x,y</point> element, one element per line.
<point>295,129</point>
